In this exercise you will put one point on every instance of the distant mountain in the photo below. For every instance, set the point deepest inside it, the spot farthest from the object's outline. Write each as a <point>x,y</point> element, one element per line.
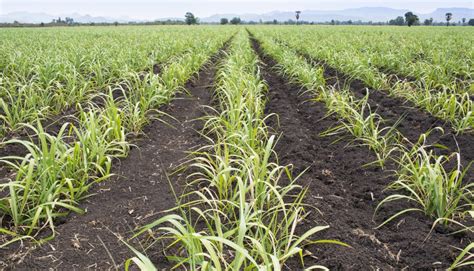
<point>458,13</point>
<point>363,14</point>
<point>31,17</point>
<point>374,14</point>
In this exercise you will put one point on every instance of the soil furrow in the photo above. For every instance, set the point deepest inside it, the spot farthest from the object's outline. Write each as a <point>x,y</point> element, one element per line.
<point>412,121</point>
<point>135,196</point>
<point>52,124</point>
<point>395,76</point>
<point>345,193</point>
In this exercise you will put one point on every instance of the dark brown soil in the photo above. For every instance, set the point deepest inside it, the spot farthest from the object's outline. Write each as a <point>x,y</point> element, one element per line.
<point>52,124</point>
<point>411,121</point>
<point>414,121</point>
<point>395,76</point>
<point>135,196</point>
<point>346,193</point>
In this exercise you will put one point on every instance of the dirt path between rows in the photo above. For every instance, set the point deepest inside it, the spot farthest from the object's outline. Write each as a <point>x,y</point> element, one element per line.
<point>52,124</point>
<point>413,122</point>
<point>395,76</point>
<point>136,196</point>
<point>346,193</point>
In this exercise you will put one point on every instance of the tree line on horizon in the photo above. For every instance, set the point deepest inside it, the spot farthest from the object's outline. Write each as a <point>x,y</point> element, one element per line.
<point>409,19</point>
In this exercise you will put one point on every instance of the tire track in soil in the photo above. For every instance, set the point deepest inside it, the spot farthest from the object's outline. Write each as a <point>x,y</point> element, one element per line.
<point>132,198</point>
<point>346,193</point>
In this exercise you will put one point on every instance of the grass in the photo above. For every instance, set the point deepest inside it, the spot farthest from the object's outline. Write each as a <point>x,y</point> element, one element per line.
<point>55,174</point>
<point>247,213</point>
<point>428,180</point>
<point>369,55</point>
<point>464,259</point>
<point>54,77</point>
<point>58,168</point>
<point>248,208</point>
<point>357,119</point>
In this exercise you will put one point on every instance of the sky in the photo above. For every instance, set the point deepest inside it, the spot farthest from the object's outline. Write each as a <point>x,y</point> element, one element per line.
<point>153,9</point>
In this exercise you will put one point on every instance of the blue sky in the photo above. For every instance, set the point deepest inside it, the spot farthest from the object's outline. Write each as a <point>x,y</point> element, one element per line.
<point>151,9</point>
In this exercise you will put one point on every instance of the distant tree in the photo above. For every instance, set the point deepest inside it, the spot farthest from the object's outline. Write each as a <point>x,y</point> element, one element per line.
<point>224,21</point>
<point>190,19</point>
<point>116,23</point>
<point>69,20</point>
<point>411,18</point>
<point>349,22</point>
<point>333,22</point>
<point>464,21</point>
<point>16,22</point>
<point>398,21</point>
<point>471,22</point>
<point>297,15</point>
<point>428,21</point>
<point>449,16</point>
<point>42,24</point>
<point>275,21</point>
<point>235,20</point>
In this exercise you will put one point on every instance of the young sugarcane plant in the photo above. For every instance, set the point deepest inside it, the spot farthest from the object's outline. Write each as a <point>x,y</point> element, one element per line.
<point>249,215</point>
<point>429,181</point>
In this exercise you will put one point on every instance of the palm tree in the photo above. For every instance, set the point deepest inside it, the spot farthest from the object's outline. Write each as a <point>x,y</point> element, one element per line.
<point>449,15</point>
<point>297,15</point>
